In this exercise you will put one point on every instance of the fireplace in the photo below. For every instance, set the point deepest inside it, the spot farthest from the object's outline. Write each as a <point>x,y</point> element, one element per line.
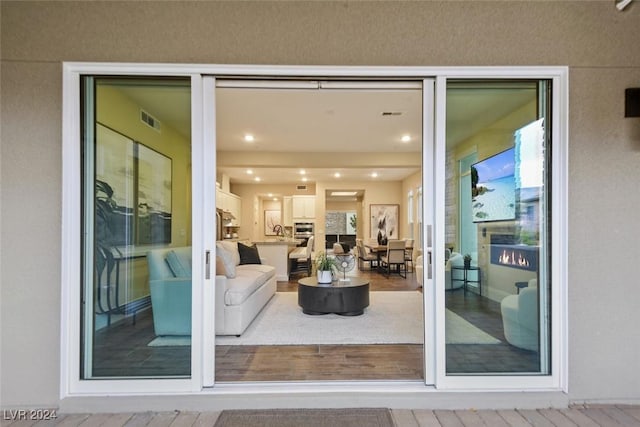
<point>506,254</point>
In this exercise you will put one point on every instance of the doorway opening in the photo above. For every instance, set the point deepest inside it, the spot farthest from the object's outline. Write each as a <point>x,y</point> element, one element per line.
<point>323,153</point>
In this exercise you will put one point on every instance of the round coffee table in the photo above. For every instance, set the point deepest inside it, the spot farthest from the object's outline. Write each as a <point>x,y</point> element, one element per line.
<point>347,298</point>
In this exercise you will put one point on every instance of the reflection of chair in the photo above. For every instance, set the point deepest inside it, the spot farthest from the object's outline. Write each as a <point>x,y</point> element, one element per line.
<point>520,317</point>
<point>394,256</point>
<point>365,256</point>
<point>170,288</point>
<point>301,258</point>
<point>408,254</point>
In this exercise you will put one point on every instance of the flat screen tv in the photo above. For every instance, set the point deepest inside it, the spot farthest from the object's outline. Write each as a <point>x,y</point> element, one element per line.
<point>493,188</point>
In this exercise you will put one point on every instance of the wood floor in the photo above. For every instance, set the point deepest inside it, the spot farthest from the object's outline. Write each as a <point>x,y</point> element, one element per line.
<point>122,350</point>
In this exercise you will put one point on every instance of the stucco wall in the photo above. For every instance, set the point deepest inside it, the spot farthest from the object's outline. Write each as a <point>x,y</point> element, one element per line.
<point>600,44</point>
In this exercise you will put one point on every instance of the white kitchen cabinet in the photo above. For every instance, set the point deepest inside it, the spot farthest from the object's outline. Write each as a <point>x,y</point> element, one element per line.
<point>287,211</point>
<point>230,203</point>
<point>304,207</point>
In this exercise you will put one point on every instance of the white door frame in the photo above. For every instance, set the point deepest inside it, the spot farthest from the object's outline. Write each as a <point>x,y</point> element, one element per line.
<point>203,150</point>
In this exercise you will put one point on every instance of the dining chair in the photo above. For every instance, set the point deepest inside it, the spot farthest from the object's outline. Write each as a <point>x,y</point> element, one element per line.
<point>408,254</point>
<point>365,256</point>
<point>394,256</point>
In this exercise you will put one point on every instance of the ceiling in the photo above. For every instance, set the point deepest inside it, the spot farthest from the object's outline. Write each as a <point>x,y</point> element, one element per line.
<point>329,130</point>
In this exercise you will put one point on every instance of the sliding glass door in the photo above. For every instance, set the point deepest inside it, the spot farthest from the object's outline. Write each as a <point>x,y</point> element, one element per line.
<point>137,261</point>
<point>497,225</point>
<point>140,221</point>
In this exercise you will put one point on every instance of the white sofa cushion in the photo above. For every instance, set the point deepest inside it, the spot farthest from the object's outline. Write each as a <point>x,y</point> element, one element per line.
<point>249,277</point>
<point>225,263</point>
<point>232,248</point>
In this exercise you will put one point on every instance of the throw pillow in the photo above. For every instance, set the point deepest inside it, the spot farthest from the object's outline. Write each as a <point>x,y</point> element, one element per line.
<point>248,254</point>
<point>232,249</point>
<point>227,261</point>
<point>220,268</point>
<point>180,267</point>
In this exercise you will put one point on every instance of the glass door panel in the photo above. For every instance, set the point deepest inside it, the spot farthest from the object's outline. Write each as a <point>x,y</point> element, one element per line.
<point>137,227</point>
<point>498,215</point>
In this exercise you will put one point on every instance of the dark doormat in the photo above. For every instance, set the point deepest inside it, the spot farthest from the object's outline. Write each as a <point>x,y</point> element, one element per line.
<point>359,417</point>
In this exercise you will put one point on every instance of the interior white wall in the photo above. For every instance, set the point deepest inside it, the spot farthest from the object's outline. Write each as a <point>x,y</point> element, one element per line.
<point>599,44</point>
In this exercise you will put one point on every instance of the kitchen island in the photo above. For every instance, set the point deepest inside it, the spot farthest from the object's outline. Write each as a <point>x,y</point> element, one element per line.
<point>275,252</point>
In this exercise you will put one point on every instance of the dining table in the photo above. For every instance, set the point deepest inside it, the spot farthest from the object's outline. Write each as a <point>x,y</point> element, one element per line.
<point>380,250</point>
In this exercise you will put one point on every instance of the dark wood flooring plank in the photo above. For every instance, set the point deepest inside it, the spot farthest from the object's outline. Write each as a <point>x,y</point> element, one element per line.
<point>73,420</point>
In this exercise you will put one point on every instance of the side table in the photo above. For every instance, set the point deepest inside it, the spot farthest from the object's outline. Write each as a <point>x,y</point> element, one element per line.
<point>466,280</point>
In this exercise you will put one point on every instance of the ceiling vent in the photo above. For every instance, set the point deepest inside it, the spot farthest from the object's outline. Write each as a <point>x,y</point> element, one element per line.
<point>149,120</point>
<point>391,113</point>
<point>301,187</point>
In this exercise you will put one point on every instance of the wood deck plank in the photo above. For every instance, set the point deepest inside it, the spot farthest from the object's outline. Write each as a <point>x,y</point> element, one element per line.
<point>404,418</point>
<point>117,420</point>
<point>426,418</point>
<point>185,419</point>
<point>470,418</point>
<point>207,419</point>
<point>513,418</point>
<point>634,411</point>
<point>621,417</point>
<point>492,418</point>
<point>448,418</point>
<point>600,417</point>
<point>162,419</point>
<point>139,419</point>
<point>575,415</point>
<point>557,418</point>
<point>534,418</point>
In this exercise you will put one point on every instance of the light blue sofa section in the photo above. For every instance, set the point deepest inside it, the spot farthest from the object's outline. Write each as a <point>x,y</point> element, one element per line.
<point>170,295</point>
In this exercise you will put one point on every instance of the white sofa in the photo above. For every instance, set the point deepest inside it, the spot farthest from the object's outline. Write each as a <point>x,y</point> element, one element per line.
<point>242,290</point>
<point>520,317</point>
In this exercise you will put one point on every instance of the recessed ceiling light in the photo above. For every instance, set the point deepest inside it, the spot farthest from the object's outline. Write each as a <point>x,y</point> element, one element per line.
<point>249,172</point>
<point>275,199</point>
<point>249,138</point>
<point>344,193</point>
<point>257,179</point>
<point>270,194</point>
<point>406,138</point>
<point>374,174</point>
<point>305,179</point>
<point>337,174</point>
<point>303,172</point>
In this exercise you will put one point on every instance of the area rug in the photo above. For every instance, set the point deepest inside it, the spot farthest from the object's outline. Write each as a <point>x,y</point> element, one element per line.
<point>393,317</point>
<point>306,417</point>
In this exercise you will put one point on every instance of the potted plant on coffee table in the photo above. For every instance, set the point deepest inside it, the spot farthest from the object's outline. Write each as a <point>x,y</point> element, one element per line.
<point>324,267</point>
